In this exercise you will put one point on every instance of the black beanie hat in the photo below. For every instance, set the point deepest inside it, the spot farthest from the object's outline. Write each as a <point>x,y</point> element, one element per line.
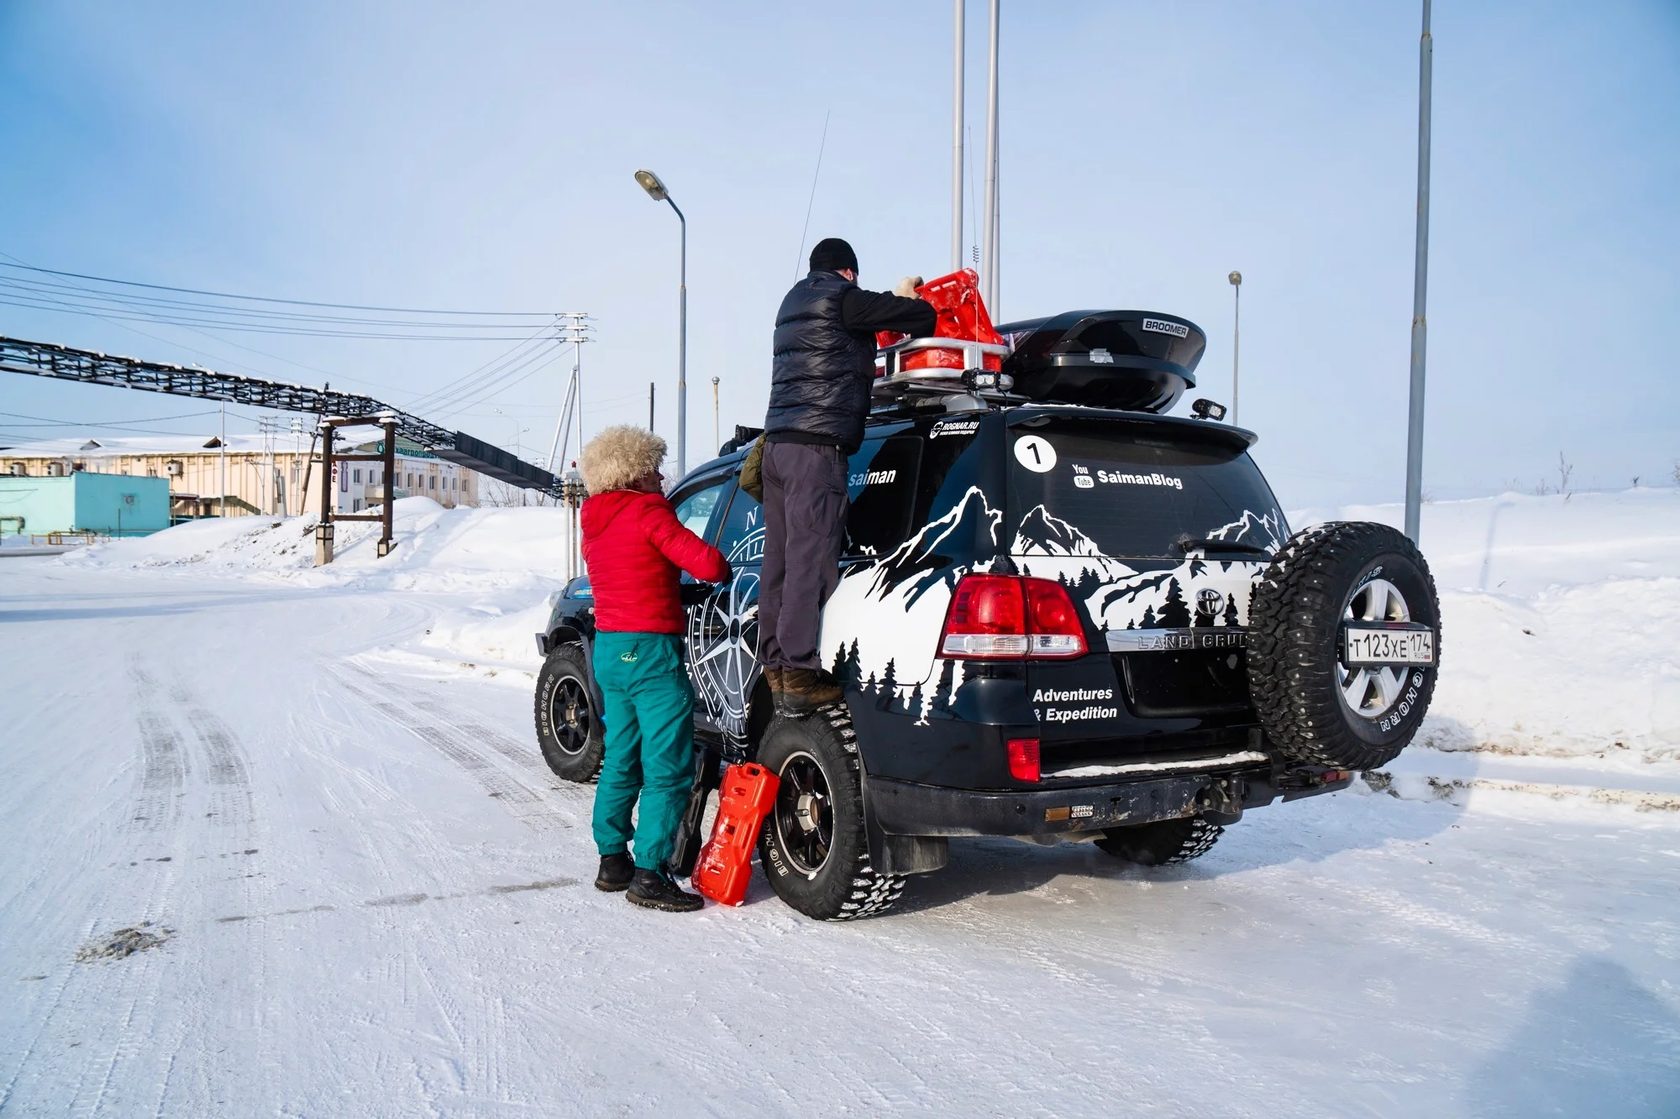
<point>831,255</point>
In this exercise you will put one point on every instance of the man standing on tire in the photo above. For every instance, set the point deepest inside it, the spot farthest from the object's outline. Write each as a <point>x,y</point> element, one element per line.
<point>634,546</point>
<point>823,370</point>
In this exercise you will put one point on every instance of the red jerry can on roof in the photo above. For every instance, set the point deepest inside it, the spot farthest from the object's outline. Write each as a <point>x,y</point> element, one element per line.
<point>962,315</point>
<point>746,796</point>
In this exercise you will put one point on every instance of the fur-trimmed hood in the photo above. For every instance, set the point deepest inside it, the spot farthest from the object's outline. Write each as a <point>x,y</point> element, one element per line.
<point>618,456</point>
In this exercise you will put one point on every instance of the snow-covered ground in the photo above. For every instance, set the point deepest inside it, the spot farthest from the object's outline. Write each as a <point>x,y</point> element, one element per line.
<point>315,795</point>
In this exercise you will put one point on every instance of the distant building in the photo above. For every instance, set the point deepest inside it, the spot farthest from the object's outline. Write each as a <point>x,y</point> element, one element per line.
<point>107,504</point>
<point>255,474</point>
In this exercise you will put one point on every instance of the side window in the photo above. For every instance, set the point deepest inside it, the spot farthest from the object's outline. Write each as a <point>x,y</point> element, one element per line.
<point>742,538</point>
<point>696,507</point>
<point>881,481</point>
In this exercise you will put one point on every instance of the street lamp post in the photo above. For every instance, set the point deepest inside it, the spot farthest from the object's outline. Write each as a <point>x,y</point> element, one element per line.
<point>1420,290</point>
<point>717,440</point>
<point>656,191</point>
<point>1236,335</point>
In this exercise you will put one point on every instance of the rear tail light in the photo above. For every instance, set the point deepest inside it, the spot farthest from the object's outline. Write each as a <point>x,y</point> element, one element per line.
<point>1009,617</point>
<point>1023,759</point>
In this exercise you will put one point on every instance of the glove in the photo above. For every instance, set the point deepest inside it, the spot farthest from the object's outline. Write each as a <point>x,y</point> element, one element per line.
<point>907,287</point>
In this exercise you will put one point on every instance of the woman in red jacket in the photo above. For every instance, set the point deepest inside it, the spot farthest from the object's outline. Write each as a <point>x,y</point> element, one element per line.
<point>633,547</point>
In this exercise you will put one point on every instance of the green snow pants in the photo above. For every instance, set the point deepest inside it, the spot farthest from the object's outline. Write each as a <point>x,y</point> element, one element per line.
<point>649,715</point>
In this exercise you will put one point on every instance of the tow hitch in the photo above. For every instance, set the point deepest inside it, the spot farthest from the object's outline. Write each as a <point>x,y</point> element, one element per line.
<point>1220,801</point>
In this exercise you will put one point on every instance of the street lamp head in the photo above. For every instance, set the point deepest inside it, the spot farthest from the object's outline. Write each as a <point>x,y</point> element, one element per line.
<point>650,183</point>
<point>715,380</point>
<point>1235,278</point>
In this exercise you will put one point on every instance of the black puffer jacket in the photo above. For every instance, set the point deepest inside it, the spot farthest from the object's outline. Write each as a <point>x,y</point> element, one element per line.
<point>824,362</point>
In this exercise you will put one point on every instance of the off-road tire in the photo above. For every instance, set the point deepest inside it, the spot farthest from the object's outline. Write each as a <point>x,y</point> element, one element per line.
<point>574,749</point>
<point>1162,842</point>
<point>844,886</point>
<point>1294,659</point>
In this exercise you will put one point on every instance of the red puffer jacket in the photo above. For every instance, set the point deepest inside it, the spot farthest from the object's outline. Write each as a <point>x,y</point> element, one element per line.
<point>633,545</point>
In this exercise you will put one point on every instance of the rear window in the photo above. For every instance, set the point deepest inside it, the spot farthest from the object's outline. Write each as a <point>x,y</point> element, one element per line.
<point>1133,492</point>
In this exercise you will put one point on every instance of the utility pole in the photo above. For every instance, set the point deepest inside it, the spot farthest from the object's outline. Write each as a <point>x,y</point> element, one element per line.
<point>221,506</point>
<point>989,253</point>
<point>1420,286</point>
<point>716,439</point>
<point>957,145</point>
<point>650,405</point>
<point>297,450</point>
<point>576,331</point>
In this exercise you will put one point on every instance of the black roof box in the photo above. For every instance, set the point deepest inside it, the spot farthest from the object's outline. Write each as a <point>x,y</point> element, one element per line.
<point>1140,360</point>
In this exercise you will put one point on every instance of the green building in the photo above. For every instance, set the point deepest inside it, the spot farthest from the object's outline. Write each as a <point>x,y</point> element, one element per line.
<point>107,504</point>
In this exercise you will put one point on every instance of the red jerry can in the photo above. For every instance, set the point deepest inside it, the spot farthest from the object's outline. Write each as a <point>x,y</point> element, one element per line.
<point>746,796</point>
<point>962,314</point>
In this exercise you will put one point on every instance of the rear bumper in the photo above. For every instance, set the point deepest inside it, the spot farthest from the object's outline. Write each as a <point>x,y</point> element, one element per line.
<point>908,808</point>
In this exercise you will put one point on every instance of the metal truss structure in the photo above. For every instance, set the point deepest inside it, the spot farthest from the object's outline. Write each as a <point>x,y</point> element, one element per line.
<point>89,367</point>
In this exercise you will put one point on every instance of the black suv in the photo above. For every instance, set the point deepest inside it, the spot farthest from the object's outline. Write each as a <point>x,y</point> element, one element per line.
<point>1061,614</point>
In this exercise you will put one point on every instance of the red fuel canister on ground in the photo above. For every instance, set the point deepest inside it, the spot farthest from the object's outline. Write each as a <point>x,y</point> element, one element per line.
<point>746,796</point>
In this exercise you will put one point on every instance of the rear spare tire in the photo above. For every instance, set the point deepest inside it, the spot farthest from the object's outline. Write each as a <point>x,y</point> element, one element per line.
<point>1315,705</point>
<point>813,846</point>
<point>568,726</point>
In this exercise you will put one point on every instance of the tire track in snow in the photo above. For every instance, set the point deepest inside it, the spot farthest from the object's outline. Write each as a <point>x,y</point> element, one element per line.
<point>124,995</point>
<point>526,804</point>
<point>522,754</point>
<point>163,762</point>
<point>226,803</point>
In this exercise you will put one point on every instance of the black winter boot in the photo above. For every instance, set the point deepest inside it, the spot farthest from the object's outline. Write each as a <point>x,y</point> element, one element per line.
<point>615,874</point>
<point>804,690</point>
<point>652,890</point>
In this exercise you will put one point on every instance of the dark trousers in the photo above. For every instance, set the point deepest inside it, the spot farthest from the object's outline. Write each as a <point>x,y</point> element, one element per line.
<point>804,528</point>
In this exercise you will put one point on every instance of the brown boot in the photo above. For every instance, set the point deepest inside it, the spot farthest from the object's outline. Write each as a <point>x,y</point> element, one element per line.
<point>806,689</point>
<point>773,677</point>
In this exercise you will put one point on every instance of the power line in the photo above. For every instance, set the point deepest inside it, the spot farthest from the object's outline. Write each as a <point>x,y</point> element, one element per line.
<point>224,341</point>
<point>41,289</point>
<point>464,398</point>
<point>448,387</point>
<point>140,420</point>
<point>273,299</point>
<point>63,307</point>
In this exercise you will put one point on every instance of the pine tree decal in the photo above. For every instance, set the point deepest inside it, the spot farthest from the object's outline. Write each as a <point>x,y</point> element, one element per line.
<point>1174,613</point>
<point>1149,621</point>
<point>914,705</point>
<point>872,687</point>
<point>853,666</point>
<point>942,693</point>
<point>1231,618</point>
<point>889,678</point>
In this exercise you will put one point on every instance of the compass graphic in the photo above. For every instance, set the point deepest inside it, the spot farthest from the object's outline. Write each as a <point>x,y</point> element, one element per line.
<point>723,641</point>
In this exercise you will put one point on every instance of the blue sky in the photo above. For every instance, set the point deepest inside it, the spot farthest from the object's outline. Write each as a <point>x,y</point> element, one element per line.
<point>428,155</point>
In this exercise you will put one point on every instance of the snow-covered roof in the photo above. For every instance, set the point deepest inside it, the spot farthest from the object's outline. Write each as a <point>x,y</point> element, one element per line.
<point>98,446</point>
<point>94,446</point>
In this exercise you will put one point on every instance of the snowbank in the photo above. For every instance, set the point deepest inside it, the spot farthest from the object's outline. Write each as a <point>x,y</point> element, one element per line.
<point>1558,617</point>
<point>437,549</point>
<point>1559,614</point>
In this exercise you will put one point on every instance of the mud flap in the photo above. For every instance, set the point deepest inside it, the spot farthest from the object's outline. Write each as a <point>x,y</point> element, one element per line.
<point>900,854</point>
<point>708,775</point>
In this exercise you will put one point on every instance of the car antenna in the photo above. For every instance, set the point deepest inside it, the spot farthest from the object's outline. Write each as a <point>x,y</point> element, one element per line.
<point>799,264</point>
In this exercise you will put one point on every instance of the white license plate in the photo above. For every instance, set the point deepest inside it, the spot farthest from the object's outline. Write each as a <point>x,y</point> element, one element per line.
<point>1389,646</point>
